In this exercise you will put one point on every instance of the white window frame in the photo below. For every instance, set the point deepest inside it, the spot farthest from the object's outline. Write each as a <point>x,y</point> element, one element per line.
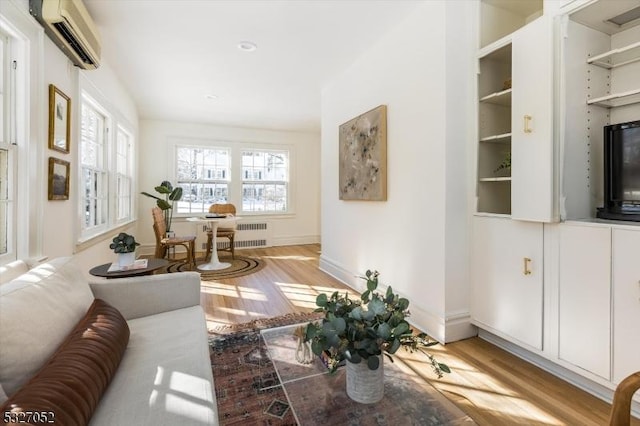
<point>100,194</point>
<point>108,193</point>
<point>236,173</point>
<point>249,178</point>
<point>28,96</point>
<point>218,179</point>
<point>124,176</point>
<point>7,165</point>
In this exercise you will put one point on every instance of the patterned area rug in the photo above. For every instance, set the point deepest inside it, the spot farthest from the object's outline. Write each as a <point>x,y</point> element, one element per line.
<point>246,384</point>
<point>248,391</point>
<point>240,266</point>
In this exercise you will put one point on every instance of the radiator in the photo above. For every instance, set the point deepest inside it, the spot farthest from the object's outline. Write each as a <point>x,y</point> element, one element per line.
<point>248,235</point>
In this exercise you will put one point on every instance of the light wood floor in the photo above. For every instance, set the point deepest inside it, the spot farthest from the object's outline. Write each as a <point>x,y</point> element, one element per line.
<point>492,386</point>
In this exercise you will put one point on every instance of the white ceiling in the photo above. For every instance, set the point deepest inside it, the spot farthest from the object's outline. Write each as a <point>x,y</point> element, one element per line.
<point>171,54</point>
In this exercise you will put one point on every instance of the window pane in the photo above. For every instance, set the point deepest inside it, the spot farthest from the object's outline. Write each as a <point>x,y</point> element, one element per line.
<point>124,177</point>
<point>204,175</point>
<point>4,201</point>
<point>265,175</point>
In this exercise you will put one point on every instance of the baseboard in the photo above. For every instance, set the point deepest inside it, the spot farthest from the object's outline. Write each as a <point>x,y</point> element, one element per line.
<point>596,389</point>
<point>295,240</point>
<point>455,326</point>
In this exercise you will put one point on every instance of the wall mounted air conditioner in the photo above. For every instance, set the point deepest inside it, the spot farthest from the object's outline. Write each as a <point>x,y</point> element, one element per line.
<point>69,26</point>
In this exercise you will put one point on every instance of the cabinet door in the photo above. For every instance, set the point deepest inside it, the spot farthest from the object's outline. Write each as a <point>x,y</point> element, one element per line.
<point>507,279</point>
<point>584,298</point>
<point>626,303</point>
<point>532,191</point>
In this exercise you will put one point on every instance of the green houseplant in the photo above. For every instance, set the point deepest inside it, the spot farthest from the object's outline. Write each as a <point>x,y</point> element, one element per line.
<point>124,245</point>
<point>362,330</point>
<point>169,195</point>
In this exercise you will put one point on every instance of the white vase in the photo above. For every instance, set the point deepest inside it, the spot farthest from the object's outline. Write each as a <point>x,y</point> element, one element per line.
<point>126,259</point>
<point>364,385</point>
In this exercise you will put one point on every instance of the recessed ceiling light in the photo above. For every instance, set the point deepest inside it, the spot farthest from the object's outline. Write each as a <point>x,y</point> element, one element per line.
<point>247,46</point>
<point>211,97</point>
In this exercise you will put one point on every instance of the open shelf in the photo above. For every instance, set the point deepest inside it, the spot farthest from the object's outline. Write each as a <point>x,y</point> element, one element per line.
<point>496,179</point>
<point>617,57</point>
<point>498,98</point>
<point>503,138</point>
<point>617,99</point>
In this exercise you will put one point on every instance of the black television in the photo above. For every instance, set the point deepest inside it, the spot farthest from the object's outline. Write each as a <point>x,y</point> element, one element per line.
<point>621,172</point>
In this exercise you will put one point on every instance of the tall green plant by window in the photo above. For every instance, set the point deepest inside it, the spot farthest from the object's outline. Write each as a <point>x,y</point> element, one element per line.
<point>170,196</point>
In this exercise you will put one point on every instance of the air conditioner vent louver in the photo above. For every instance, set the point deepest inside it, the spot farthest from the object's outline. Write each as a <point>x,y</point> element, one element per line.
<point>66,34</point>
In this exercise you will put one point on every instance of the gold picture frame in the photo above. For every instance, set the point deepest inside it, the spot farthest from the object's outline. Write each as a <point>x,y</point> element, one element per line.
<point>59,120</point>
<point>58,179</point>
<point>362,162</point>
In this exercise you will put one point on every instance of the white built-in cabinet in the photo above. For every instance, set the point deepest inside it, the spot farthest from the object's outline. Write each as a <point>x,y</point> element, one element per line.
<point>515,166</point>
<point>515,162</point>
<point>546,276</point>
<point>626,303</point>
<point>532,184</point>
<point>507,273</point>
<point>584,302</point>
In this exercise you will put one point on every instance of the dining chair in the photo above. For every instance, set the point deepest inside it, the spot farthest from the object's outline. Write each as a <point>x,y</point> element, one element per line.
<point>163,242</point>
<point>230,233</point>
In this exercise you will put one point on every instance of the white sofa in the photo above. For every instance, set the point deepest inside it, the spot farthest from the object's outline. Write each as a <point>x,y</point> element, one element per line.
<point>163,377</point>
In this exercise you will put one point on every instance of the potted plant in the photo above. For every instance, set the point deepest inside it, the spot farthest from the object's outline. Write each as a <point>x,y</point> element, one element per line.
<point>505,164</point>
<point>360,332</point>
<point>124,245</point>
<point>170,196</point>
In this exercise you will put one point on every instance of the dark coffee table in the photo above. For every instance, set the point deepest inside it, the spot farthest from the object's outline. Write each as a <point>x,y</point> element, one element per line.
<point>316,397</point>
<point>152,266</point>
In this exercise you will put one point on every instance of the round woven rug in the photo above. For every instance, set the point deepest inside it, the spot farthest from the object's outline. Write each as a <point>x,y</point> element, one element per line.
<point>240,266</point>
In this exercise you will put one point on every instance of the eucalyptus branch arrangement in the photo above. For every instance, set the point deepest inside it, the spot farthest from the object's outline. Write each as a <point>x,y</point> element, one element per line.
<point>360,330</point>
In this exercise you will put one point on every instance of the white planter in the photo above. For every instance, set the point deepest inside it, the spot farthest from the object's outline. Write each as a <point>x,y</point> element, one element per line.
<point>126,259</point>
<point>364,385</point>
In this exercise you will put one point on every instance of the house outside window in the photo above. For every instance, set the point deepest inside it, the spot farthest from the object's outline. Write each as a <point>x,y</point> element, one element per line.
<point>204,175</point>
<point>265,183</point>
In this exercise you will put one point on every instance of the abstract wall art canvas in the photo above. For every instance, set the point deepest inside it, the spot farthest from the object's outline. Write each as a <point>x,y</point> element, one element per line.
<point>363,157</point>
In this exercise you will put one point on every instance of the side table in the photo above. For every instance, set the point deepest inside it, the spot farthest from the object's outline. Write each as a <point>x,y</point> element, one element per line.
<point>152,265</point>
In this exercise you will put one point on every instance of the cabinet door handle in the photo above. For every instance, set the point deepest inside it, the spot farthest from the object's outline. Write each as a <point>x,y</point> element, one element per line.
<point>527,121</point>
<point>526,270</point>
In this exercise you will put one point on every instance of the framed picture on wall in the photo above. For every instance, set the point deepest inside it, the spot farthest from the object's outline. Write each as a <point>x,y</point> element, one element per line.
<point>58,179</point>
<point>59,120</point>
<point>362,162</point>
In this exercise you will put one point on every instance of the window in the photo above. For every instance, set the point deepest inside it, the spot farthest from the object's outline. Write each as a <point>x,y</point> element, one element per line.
<point>204,175</point>
<point>124,178</point>
<point>93,157</point>
<point>265,177</point>
<point>7,157</point>
<point>106,161</point>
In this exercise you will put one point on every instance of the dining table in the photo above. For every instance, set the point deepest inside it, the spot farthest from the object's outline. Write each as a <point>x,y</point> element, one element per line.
<point>214,222</point>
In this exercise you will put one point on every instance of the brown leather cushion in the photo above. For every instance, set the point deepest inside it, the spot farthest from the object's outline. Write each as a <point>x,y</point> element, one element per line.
<point>71,382</point>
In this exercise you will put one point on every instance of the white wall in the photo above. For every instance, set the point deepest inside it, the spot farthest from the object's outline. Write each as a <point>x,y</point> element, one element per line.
<point>299,227</point>
<point>416,239</point>
<point>53,232</point>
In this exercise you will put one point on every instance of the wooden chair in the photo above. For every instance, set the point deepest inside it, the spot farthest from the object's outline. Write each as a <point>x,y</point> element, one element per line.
<point>229,233</point>
<point>621,408</point>
<point>163,243</point>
